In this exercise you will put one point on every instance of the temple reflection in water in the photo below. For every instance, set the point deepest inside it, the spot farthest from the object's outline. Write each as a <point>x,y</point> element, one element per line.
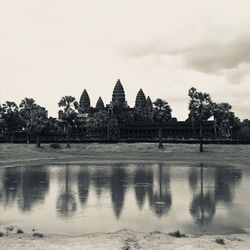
<point>155,189</point>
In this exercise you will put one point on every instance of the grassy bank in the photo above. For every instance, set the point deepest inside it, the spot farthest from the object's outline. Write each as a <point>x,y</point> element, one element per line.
<point>27,154</point>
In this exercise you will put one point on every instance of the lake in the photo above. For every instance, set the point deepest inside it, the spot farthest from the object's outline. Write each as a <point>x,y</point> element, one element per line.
<point>77,199</point>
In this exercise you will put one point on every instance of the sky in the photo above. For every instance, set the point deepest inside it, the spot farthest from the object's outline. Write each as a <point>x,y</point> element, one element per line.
<point>53,48</point>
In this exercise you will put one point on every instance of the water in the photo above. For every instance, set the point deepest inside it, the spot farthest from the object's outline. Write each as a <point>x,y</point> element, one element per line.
<point>77,199</point>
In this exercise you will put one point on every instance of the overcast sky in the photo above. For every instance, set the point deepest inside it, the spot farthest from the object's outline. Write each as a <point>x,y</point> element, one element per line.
<point>52,48</point>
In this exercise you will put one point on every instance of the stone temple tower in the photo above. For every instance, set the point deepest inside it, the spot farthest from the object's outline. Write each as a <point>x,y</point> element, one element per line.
<point>84,101</point>
<point>99,104</point>
<point>140,101</point>
<point>149,103</point>
<point>118,96</point>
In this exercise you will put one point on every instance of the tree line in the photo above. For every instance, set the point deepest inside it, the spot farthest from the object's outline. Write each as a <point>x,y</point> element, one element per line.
<point>32,119</point>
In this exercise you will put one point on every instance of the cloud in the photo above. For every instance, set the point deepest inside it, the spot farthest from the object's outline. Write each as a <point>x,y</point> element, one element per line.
<point>238,74</point>
<point>214,57</point>
<point>228,58</point>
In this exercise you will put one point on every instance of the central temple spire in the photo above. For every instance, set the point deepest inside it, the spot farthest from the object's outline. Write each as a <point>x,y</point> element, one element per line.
<point>84,101</point>
<point>140,101</point>
<point>118,96</point>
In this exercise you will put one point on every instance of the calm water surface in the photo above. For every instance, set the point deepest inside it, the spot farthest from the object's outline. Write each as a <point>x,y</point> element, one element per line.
<point>77,199</point>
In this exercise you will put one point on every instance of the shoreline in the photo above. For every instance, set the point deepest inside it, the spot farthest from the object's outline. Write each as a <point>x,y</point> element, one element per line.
<point>124,239</point>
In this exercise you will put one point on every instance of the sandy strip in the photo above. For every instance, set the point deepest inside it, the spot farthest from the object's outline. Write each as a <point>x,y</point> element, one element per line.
<point>124,239</point>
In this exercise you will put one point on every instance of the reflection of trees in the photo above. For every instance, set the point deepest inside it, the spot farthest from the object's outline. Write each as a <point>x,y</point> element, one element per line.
<point>225,181</point>
<point>11,185</point>
<point>193,178</point>
<point>34,186</point>
<point>203,208</point>
<point>118,189</point>
<point>83,185</point>
<point>101,180</point>
<point>203,205</point>
<point>160,199</point>
<point>143,184</point>
<point>66,203</point>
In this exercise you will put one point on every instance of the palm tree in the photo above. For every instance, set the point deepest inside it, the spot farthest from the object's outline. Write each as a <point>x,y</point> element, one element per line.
<point>68,113</point>
<point>200,107</point>
<point>40,122</point>
<point>162,113</point>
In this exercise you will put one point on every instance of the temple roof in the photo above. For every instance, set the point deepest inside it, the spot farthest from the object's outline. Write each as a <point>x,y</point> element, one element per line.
<point>118,93</point>
<point>99,103</point>
<point>84,101</point>
<point>140,99</point>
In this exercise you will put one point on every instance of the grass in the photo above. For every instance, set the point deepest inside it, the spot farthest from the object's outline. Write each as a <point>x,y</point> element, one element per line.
<point>23,154</point>
<point>38,235</point>
<point>55,145</point>
<point>19,231</point>
<point>220,241</point>
<point>177,234</point>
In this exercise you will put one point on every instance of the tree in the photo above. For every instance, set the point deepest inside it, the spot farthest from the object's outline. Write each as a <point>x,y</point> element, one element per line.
<point>221,114</point>
<point>113,128</point>
<point>224,119</point>
<point>10,115</point>
<point>162,113</point>
<point>191,118</point>
<point>200,107</point>
<point>26,109</point>
<point>34,119</point>
<point>234,123</point>
<point>244,131</point>
<point>40,123</point>
<point>2,123</point>
<point>102,124</point>
<point>68,112</point>
<point>53,126</point>
<point>97,124</point>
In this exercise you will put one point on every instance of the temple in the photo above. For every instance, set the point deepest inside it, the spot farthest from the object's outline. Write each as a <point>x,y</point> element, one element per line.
<point>137,123</point>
